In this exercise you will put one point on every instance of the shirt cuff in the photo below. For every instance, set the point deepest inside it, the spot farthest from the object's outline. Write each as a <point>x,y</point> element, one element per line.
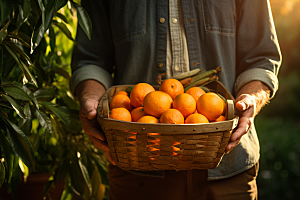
<point>257,74</point>
<point>90,72</point>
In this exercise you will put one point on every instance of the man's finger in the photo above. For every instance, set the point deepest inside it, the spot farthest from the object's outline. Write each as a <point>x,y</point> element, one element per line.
<point>241,130</point>
<point>92,128</point>
<point>99,144</point>
<point>231,145</point>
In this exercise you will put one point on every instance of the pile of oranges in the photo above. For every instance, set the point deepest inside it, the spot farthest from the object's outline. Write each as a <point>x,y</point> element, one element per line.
<point>169,105</point>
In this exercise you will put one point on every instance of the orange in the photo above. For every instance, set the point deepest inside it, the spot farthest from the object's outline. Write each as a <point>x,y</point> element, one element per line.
<point>196,119</point>
<point>185,103</point>
<point>196,92</point>
<point>137,113</point>
<point>172,116</point>
<point>120,114</point>
<point>138,93</point>
<point>121,92</point>
<point>156,103</point>
<point>120,101</point>
<point>220,119</point>
<point>148,119</point>
<point>172,86</point>
<point>210,105</point>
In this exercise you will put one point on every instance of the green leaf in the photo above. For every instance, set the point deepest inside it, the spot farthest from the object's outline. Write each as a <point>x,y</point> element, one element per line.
<point>98,187</point>
<point>2,173</point>
<point>60,113</point>
<point>57,129</point>
<point>67,193</point>
<point>42,24</point>
<point>3,32</point>
<point>59,4</point>
<point>84,20</point>
<point>52,37</point>
<point>26,124</point>
<point>20,143</point>
<point>15,106</point>
<point>6,105</point>
<point>17,50</point>
<point>62,171</point>
<point>48,186</point>
<point>86,176</point>
<point>45,94</point>
<point>78,182</point>
<point>23,66</point>
<point>41,4</point>
<point>62,72</point>
<point>24,170</point>
<point>5,6</point>
<point>44,121</point>
<point>26,9</point>
<point>62,17</point>
<point>102,170</point>
<point>23,42</point>
<point>16,93</point>
<point>24,37</point>
<point>71,103</point>
<point>30,95</point>
<point>8,156</point>
<point>1,64</point>
<point>64,29</point>
<point>25,89</point>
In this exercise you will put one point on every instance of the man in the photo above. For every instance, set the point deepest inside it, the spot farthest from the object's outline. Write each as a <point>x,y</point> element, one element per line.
<point>137,40</point>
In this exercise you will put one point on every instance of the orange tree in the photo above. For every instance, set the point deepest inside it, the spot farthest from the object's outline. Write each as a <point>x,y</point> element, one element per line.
<point>40,129</point>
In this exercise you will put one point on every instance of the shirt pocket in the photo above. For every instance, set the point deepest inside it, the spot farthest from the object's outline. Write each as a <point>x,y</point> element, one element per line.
<point>219,16</point>
<point>128,19</point>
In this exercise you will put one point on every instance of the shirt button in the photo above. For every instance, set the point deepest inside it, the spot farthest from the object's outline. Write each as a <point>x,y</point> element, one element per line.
<point>160,65</point>
<point>174,21</point>
<point>162,20</point>
<point>176,68</point>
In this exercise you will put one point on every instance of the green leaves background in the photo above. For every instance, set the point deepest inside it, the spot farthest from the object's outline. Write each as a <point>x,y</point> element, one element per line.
<point>39,121</point>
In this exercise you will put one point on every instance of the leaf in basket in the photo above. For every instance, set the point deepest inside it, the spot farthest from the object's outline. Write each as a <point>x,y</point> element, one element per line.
<point>222,97</point>
<point>128,90</point>
<point>176,143</point>
<point>174,154</point>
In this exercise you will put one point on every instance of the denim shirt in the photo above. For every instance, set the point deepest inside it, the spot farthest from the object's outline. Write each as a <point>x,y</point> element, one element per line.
<point>130,41</point>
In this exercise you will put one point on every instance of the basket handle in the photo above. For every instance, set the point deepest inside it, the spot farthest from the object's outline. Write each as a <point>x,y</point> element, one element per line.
<point>230,109</point>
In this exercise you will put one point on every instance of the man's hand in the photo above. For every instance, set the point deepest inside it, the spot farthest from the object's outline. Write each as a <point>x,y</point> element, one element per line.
<point>89,93</point>
<point>250,99</point>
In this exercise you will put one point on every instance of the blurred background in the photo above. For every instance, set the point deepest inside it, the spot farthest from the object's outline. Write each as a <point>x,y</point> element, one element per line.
<point>278,124</point>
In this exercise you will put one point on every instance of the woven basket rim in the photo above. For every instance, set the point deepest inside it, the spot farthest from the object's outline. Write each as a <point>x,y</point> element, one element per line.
<point>169,128</point>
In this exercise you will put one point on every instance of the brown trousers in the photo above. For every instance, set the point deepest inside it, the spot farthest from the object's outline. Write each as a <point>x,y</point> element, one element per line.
<point>181,185</point>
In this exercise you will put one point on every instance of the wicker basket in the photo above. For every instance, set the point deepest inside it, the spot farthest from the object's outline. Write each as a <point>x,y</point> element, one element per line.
<point>143,147</point>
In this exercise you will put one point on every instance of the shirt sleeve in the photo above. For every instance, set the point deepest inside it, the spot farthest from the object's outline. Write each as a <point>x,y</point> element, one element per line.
<point>93,59</point>
<point>258,52</point>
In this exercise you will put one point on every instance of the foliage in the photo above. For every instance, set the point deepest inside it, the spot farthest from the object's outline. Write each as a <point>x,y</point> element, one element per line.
<point>280,158</point>
<point>40,130</point>
<point>278,123</point>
